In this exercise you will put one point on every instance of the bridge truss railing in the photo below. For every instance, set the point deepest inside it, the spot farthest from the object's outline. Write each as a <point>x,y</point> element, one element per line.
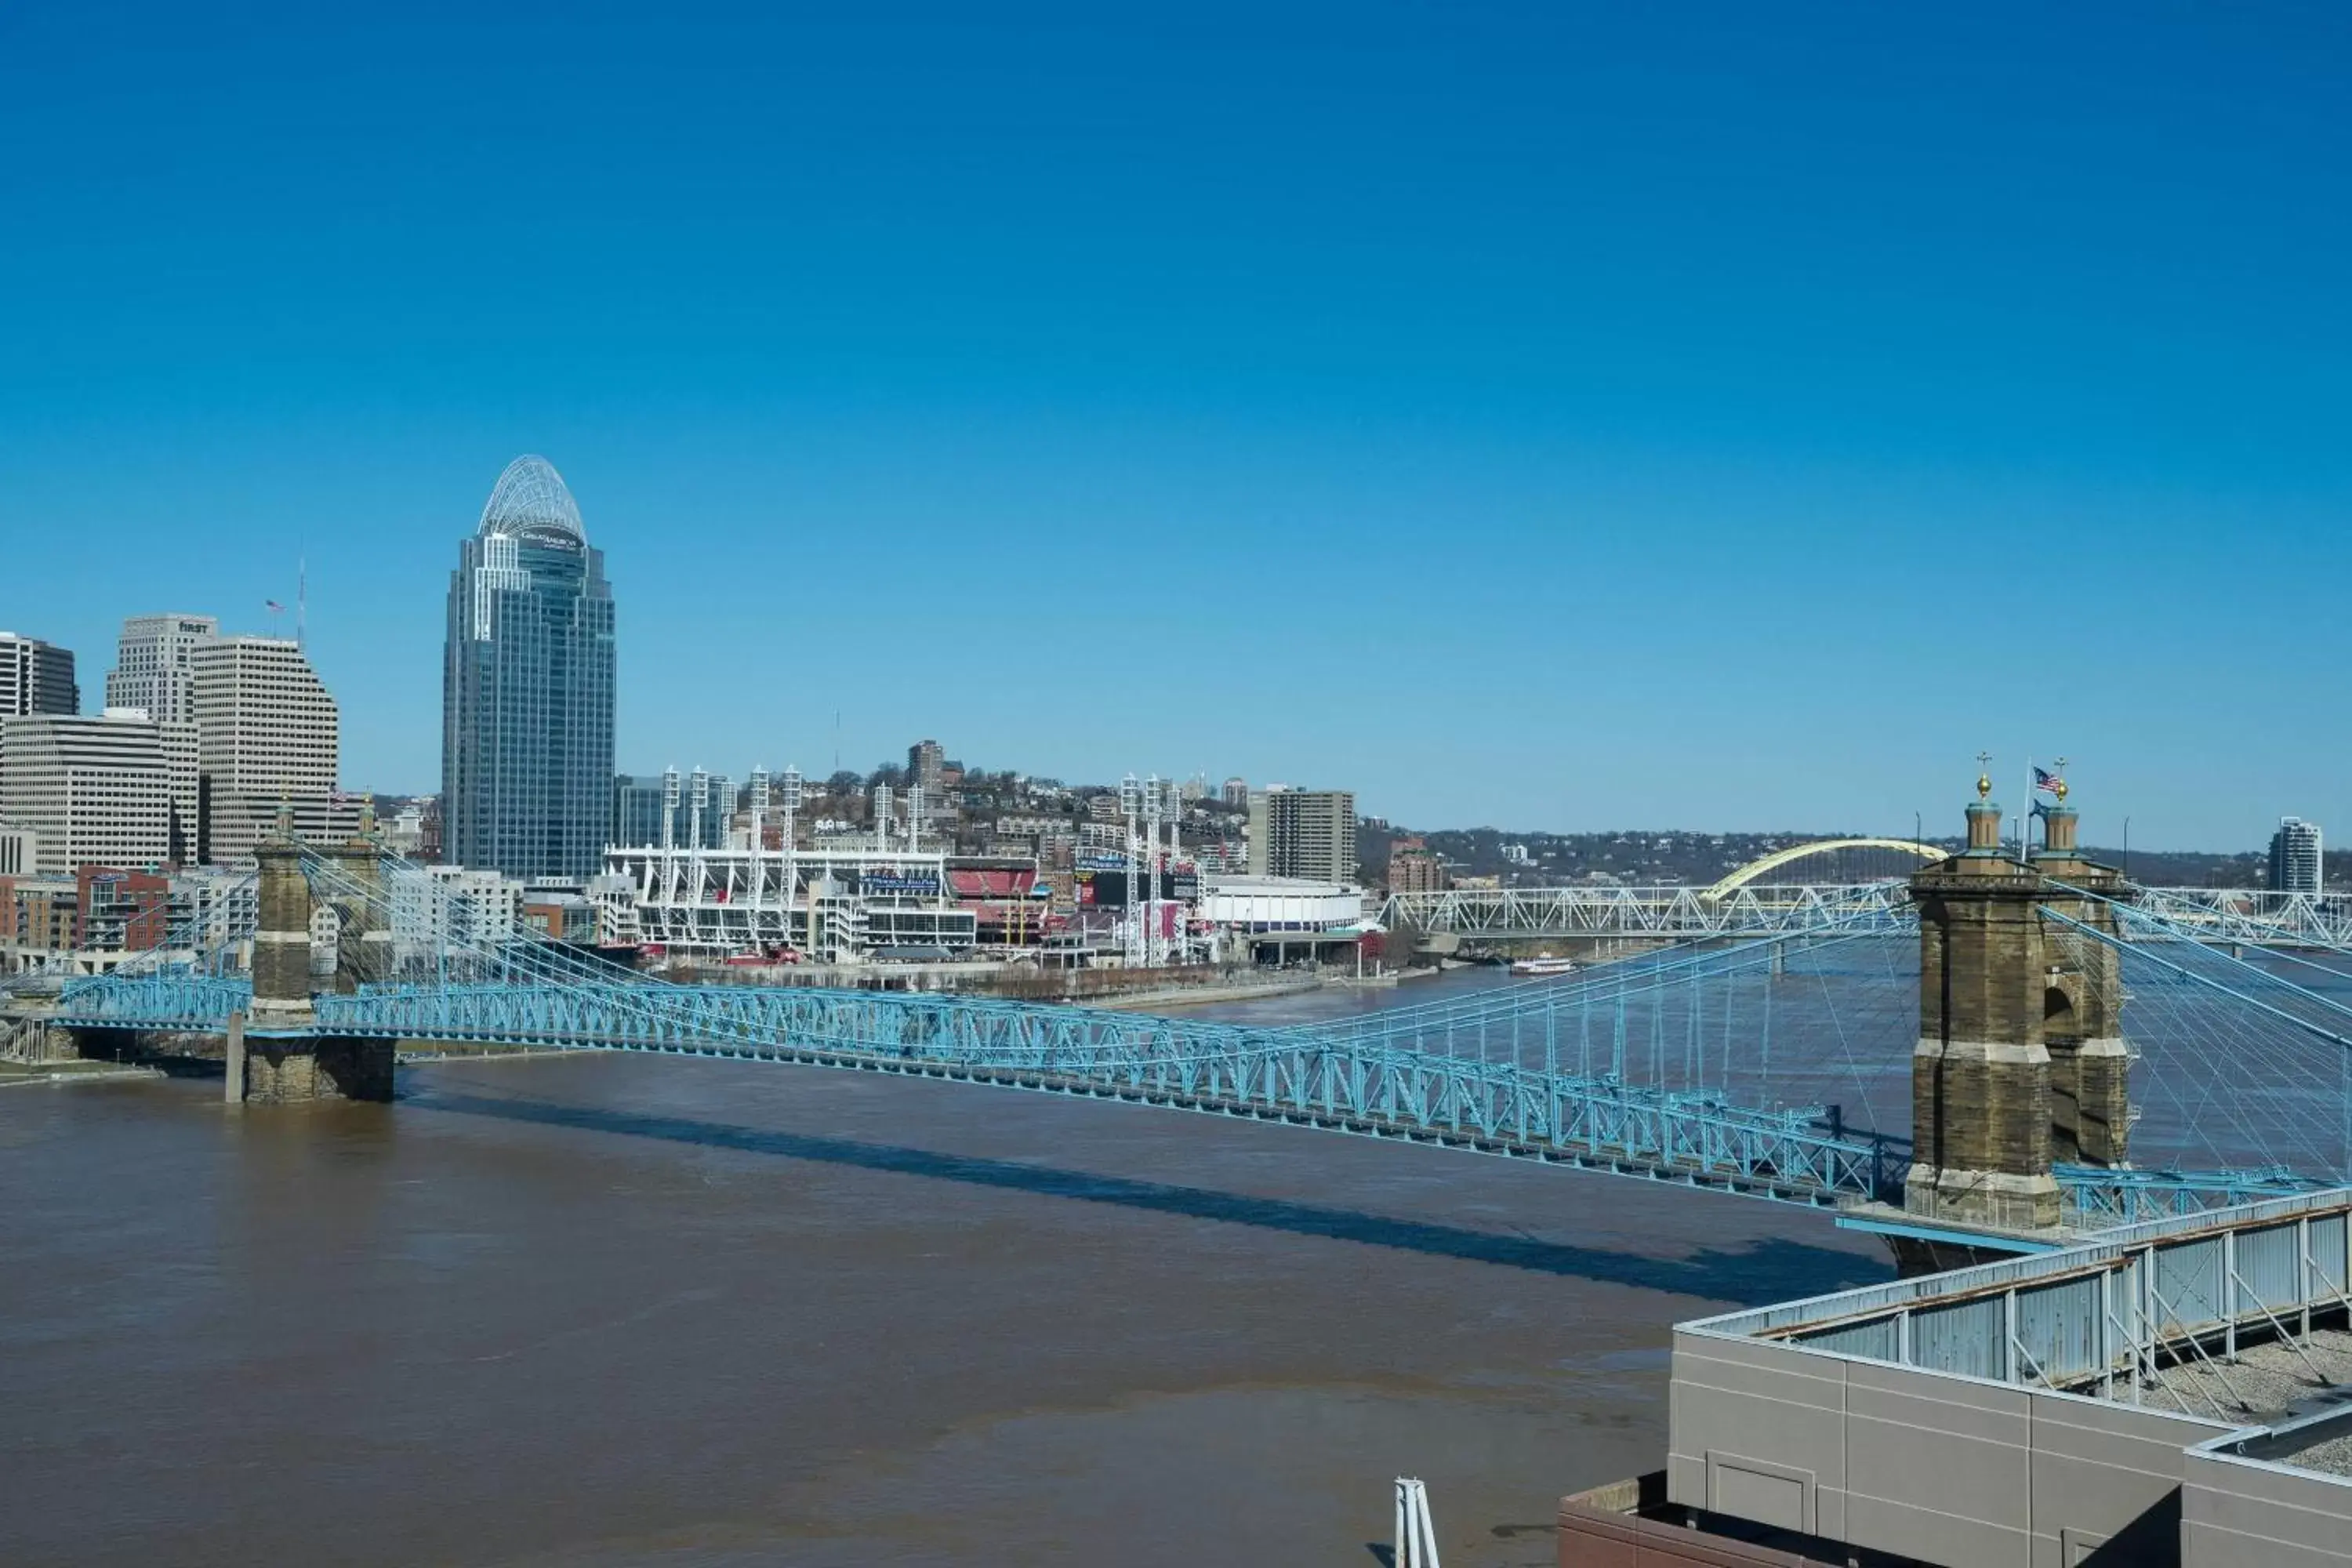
<point>2252,917</point>
<point>1495,1106</point>
<point>2248,917</point>
<point>1530,913</point>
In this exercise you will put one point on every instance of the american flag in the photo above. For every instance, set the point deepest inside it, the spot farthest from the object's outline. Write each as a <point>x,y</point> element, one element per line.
<point>2043,779</point>
<point>274,606</point>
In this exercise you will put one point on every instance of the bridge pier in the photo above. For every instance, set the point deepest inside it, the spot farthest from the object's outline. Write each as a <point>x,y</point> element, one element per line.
<point>288,1072</point>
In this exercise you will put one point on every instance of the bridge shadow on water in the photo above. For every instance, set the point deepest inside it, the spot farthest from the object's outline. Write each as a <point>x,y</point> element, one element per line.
<point>1763,1271</point>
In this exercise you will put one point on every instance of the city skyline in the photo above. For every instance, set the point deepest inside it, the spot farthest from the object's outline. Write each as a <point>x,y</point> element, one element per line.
<point>1597,448</point>
<point>1192,725</point>
<point>2016,790</point>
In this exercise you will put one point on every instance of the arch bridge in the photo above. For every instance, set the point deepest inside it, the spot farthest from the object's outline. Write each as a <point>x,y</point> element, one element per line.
<point>1764,864</point>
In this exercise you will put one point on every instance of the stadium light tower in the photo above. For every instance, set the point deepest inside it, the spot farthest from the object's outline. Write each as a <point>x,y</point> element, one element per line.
<point>789,792</point>
<point>756,861</point>
<point>1153,948</point>
<point>1131,807</point>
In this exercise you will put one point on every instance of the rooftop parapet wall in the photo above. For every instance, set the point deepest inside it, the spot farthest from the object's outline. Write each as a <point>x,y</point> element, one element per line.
<point>1958,1418</point>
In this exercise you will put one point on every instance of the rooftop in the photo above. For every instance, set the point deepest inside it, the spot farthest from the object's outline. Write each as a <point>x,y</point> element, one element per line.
<point>531,503</point>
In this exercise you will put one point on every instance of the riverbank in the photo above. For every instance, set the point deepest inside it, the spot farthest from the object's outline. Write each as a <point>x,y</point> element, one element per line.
<point>1167,997</point>
<point>70,1070</point>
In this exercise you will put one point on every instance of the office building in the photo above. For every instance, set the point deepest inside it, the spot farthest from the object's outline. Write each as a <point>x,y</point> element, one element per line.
<point>186,783</point>
<point>1303,833</point>
<point>266,735</point>
<point>36,677</point>
<point>636,810</point>
<point>711,812</point>
<point>91,792</point>
<point>152,669</point>
<point>19,849</point>
<point>527,686</point>
<point>2295,857</point>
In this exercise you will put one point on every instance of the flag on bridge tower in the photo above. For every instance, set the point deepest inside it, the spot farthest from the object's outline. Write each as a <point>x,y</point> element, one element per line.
<point>2044,779</point>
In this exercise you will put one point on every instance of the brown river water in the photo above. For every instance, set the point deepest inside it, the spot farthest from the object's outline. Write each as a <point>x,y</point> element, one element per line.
<point>603,1310</point>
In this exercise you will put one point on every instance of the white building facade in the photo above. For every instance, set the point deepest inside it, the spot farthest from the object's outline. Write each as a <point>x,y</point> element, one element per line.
<point>152,665</point>
<point>92,792</point>
<point>267,734</point>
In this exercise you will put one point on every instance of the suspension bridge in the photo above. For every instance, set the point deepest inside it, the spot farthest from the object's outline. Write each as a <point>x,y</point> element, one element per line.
<point>1775,1059</point>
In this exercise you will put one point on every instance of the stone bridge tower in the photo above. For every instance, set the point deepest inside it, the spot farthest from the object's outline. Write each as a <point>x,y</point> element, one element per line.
<point>362,925</point>
<point>2020,1062</point>
<point>276,1054</point>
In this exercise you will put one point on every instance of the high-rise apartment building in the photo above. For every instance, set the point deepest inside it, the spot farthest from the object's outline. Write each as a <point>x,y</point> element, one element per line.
<point>527,686</point>
<point>152,668</point>
<point>2295,861</point>
<point>94,792</point>
<point>266,735</point>
<point>36,677</point>
<point>926,765</point>
<point>1304,833</point>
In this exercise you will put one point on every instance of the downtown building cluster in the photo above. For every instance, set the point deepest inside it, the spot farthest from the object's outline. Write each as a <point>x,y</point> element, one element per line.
<point>119,824</point>
<point>112,823</point>
<point>931,862</point>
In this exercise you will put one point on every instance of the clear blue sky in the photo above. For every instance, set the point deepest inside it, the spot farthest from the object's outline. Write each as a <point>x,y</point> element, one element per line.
<point>1550,415</point>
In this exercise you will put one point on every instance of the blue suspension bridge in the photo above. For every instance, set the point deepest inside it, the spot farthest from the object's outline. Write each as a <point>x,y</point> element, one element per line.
<point>1772,1062</point>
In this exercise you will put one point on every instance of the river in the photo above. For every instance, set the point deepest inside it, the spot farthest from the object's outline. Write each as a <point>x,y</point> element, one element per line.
<point>603,1309</point>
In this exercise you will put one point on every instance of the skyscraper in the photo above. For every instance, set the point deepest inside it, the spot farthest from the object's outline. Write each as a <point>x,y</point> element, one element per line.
<point>151,665</point>
<point>527,686</point>
<point>267,734</point>
<point>2295,857</point>
<point>36,677</point>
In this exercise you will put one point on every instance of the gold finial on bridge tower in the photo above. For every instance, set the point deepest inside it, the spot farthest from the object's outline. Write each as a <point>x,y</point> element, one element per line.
<point>2059,789</point>
<point>1984,817</point>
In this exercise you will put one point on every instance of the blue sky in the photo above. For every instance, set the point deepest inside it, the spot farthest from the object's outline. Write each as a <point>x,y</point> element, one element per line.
<point>1547,415</point>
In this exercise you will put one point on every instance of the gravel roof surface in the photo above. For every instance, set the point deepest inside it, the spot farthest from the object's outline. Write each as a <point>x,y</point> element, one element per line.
<point>2264,1384</point>
<point>2260,1386</point>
